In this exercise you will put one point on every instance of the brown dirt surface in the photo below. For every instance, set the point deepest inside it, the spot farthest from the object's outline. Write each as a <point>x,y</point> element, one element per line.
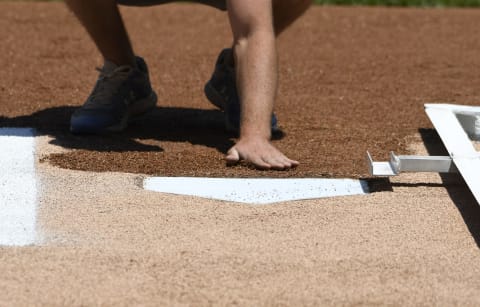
<point>104,241</point>
<point>352,79</point>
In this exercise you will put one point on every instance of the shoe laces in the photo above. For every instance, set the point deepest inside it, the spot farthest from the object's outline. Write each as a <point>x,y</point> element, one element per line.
<point>108,83</point>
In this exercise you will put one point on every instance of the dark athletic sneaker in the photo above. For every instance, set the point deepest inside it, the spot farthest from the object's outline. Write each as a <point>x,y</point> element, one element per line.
<point>121,94</point>
<point>221,91</point>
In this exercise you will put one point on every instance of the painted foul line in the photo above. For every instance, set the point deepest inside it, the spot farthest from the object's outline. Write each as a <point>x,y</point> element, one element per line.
<point>18,187</point>
<point>256,191</point>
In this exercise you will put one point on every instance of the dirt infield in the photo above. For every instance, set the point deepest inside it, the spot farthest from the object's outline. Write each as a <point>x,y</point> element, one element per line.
<point>351,80</point>
<point>103,241</point>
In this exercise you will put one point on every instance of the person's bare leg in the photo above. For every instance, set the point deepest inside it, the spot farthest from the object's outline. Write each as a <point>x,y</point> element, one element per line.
<point>103,22</point>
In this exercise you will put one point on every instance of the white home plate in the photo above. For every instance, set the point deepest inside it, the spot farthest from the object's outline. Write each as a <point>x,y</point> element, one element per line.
<point>18,191</point>
<point>256,191</point>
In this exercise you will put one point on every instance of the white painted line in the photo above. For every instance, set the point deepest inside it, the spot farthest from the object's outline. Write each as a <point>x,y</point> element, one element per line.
<point>455,108</point>
<point>459,146</point>
<point>18,187</point>
<point>468,116</point>
<point>256,191</point>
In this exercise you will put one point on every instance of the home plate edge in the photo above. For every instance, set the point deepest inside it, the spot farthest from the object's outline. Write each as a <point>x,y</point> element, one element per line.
<point>257,191</point>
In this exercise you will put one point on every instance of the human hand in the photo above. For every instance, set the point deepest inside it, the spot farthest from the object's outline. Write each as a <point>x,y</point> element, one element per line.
<point>261,153</point>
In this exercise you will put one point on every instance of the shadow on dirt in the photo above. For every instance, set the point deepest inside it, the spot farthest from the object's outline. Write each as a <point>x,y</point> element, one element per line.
<point>455,185</point>
<point>376,185</point>
<point>385,185</point>
<point>194,126</point>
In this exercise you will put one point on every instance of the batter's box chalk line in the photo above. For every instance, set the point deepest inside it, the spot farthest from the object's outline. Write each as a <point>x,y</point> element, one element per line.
<point>18,187</point>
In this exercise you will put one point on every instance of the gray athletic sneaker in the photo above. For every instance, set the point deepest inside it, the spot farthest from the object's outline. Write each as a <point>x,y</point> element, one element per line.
<point>121,94</point>
<point>221,91</point>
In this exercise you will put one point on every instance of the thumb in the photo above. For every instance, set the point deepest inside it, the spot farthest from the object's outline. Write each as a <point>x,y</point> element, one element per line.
<point>232,156</point>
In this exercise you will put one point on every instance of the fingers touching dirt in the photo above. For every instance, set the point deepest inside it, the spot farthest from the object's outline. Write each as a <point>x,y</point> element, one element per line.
<point>261,154</point>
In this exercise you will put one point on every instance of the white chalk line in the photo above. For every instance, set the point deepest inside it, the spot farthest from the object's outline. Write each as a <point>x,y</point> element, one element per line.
<point>18,187</point>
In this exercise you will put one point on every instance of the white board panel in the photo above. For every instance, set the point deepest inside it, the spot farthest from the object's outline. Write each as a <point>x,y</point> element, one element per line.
<point>458,144</point>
